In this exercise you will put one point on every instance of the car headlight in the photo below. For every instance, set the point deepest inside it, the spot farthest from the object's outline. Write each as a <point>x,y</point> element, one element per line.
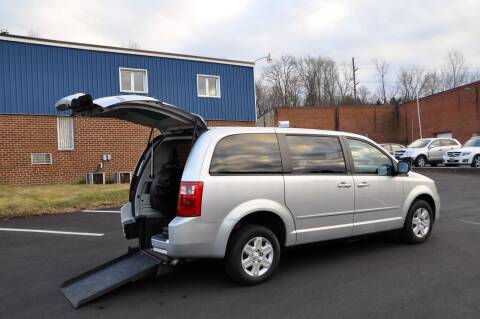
<point>407,153</point>
<point>466,153</point>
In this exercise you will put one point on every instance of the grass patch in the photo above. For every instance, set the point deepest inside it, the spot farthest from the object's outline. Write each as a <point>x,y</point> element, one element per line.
<point>46,199</point>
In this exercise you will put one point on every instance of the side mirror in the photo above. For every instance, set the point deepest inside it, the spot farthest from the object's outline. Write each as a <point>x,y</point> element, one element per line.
<point>403,167</point>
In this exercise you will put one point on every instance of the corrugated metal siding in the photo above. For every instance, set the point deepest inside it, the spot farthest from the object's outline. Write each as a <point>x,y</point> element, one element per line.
<point>33,77</point>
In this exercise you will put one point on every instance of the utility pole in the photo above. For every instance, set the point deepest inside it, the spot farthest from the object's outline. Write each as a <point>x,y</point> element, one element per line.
<point>354,69</point>
<point>419,117</point>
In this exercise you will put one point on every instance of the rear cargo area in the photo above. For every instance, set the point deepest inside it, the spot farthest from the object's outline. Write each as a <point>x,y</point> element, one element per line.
<point>156,191</point>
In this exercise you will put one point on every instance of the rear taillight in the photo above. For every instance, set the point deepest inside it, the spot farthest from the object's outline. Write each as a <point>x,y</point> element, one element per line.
<point>190,199</point>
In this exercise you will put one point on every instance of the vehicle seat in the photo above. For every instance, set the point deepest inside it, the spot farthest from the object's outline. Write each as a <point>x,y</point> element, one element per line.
<point>166,183</point>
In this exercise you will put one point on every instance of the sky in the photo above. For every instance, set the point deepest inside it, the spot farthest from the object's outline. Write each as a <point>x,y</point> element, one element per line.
<point>405,33</point>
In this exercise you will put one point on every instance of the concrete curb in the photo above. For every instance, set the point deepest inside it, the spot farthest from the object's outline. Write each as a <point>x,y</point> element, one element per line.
<point>447,170</point>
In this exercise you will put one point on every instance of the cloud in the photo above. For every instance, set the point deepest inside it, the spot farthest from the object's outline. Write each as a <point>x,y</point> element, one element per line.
<point>407,33</point>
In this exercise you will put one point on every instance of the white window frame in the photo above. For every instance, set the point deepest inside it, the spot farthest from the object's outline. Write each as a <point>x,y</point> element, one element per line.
<point>219,95</point>
<point>132,83</point>
<point>43,163</point>
<point>59,139</point>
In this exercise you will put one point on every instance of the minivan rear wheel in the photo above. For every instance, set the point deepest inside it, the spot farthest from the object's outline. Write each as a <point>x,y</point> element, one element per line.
<point>253,255</point>
<point>419,223</point>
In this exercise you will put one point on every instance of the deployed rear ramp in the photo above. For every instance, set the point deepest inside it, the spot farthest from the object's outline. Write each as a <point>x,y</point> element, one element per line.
<point>111,275</point>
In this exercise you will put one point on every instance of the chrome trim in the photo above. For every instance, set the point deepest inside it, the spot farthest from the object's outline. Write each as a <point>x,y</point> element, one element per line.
<point>368,210</point>
<point>159,250</point>
<point>326,214</point>
<point>348,212</point>
<point>306,230</point>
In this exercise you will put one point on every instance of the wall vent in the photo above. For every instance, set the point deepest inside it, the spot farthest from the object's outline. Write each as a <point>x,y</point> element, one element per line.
<point>95,178</point>
<point>41,158</point>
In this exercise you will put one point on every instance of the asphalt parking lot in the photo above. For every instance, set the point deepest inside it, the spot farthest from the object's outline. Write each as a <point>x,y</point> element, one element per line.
<point>375,277</point>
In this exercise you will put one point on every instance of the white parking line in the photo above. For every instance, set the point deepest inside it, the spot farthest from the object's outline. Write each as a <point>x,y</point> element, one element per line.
<point>100,211</point>
<point>469,222</point>
<point>50,232</point>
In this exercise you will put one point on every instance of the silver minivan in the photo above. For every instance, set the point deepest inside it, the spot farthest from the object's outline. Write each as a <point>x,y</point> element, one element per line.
<point>243,194</point>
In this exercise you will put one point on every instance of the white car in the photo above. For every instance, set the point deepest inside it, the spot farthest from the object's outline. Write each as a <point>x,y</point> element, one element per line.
<point>427,151</point>
<point>469,154</point>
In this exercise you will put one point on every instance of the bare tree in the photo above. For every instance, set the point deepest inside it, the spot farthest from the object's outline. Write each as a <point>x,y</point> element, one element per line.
<point>382,67</point>
<point>432,83</point>
<point>282,77</point>
<point>263,98</point>
<point>344,81</point>
<point>363,95</point>
<point>455,70</point>
<point>309,71</point>
<point>411,82</point>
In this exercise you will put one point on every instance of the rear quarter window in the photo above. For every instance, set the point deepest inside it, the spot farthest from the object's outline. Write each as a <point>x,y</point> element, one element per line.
<point>247,154</point>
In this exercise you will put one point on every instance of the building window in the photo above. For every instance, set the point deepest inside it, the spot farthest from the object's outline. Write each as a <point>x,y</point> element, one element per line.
<point>133,80</point>
<point>208,85</point>
<point>65,133</point>
<point>41,158</point>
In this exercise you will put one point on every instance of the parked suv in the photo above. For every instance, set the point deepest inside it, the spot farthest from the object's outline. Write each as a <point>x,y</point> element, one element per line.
<point>392,147</point>
<point>469,154</point>
<point>427,151</point>
<point>246,193</point>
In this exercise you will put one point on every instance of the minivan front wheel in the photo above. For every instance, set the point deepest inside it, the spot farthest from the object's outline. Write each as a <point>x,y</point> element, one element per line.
<point>253,255</point>
<point>419,223</point>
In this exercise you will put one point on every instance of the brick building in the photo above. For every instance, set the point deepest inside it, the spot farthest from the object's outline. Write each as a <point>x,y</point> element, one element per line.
<point>377,122</point>
<point>454,113</point>
<point>38,145</point>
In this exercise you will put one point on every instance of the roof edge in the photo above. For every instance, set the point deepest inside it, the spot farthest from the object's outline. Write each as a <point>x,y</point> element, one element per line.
<point>112,49</point>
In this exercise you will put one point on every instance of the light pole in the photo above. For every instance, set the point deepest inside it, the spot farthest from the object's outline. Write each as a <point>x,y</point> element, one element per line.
<point>268,57</point>
<point>419,117</point>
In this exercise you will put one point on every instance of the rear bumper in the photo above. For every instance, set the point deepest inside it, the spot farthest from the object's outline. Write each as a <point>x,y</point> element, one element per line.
<point>189,237</point>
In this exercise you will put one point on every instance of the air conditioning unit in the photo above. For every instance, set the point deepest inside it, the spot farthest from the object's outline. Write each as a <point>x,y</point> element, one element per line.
<point>123,177</point>
<point>95,178</point>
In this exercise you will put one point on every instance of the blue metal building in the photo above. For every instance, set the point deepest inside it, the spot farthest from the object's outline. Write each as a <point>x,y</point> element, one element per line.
<point>34,73</point>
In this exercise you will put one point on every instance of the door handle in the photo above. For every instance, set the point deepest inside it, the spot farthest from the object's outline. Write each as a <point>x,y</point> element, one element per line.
<point>363,184</point>
<point>344,185</point>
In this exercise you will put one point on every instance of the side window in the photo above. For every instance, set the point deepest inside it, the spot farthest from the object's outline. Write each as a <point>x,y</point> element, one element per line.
<point>435,144</point>
<point>449,143</point>
<point>367,159</point>
<point>247,154</point>
<point>315,154</point>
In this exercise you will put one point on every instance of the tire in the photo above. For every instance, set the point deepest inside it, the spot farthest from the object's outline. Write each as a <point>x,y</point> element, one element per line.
<point>476,161</point>
<point>419,223</point>
<point>238,254</point>
<point>420,161</point>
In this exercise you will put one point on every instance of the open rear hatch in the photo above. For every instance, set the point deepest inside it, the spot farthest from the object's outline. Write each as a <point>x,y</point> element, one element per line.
<point>143,110</point>
<point>146,111</point>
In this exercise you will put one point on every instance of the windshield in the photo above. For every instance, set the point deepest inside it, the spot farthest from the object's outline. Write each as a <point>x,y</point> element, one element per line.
<point>419,144</point>
<point>473,142</point>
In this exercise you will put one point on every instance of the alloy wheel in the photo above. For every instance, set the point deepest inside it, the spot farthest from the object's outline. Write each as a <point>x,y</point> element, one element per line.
<point>421,162</point>
<point>476,162</point>
<point>421,222</point>
<point>257,256</point>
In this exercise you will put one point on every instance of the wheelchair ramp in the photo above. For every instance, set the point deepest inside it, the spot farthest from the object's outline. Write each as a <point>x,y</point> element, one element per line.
<point>109,276</point>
